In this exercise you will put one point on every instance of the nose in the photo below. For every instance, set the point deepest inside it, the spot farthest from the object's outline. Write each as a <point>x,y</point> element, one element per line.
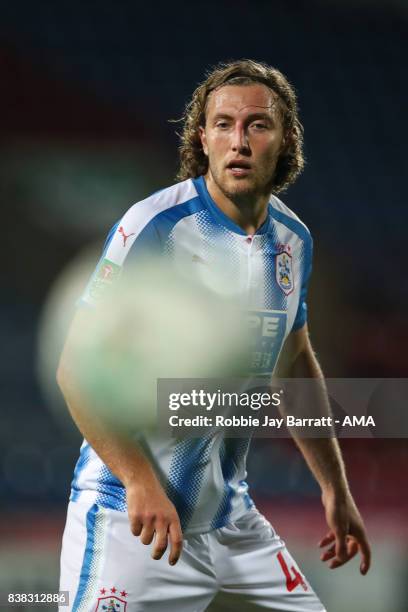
<point>239,141</point>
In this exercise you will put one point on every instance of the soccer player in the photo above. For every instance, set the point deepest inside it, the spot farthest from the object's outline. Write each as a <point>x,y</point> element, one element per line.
<point>187,502</point>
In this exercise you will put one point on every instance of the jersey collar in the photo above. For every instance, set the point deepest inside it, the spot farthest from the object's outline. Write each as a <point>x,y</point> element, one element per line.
<point>220,216</point>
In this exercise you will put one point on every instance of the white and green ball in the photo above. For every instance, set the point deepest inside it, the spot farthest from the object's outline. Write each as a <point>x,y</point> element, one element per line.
<point>153,323</point>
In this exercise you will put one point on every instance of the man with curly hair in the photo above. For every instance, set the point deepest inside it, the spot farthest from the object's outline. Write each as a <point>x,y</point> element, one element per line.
<point>241,144</point>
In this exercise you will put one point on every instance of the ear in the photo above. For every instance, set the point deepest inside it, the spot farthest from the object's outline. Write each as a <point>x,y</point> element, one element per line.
<point>203,139</point>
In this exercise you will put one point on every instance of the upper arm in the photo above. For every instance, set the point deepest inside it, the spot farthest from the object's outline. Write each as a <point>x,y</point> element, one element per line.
<point>76,330</point>
<point>306,255</point>
<point>128,244</point>
<point>296,344</point>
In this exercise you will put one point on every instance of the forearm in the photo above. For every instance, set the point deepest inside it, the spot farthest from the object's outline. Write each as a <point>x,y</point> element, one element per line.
<point>347,533</point>
<point>323,455</point>
<point>150,511</point>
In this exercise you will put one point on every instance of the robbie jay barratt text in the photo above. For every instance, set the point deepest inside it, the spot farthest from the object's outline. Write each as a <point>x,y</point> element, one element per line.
<point>250,421</point>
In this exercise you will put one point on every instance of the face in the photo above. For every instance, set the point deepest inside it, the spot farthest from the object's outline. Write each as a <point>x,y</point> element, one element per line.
<point>243,138</point>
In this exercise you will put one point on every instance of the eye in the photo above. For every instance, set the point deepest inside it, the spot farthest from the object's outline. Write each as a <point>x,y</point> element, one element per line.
<point>222,124</point>
<point>258,125</point>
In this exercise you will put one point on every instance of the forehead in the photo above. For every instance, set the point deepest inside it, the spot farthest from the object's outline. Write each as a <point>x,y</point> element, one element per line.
<point>242,100</point>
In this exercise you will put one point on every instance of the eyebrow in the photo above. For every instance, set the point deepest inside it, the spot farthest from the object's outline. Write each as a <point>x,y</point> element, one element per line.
<point>251,117</point>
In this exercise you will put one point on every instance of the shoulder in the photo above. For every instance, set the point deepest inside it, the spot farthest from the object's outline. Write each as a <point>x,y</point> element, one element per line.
<point>283,214</point>
<point>144,211</point>
<point>139,221</point>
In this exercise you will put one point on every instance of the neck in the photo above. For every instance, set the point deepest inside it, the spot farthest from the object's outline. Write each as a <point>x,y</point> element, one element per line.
<point>249,211</point>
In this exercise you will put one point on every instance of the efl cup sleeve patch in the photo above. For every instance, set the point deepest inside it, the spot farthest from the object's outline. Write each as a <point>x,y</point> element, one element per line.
<point>104,276</point>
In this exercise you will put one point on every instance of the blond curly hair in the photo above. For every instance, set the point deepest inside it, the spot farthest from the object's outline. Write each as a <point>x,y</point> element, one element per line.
<point>194,162</point>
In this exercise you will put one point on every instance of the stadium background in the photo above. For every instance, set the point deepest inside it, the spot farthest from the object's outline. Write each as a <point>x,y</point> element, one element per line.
<point>86,93</point>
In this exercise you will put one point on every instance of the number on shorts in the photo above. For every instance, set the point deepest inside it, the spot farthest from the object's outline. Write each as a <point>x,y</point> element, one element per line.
<point>291,582</point>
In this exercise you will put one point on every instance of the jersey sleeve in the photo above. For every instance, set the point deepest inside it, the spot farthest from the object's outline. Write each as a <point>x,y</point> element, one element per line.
<point>307,255</point>
<point>122,245</point>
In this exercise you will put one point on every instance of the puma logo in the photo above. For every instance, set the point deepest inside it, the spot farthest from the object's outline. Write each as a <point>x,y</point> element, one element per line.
<point>125,236</point>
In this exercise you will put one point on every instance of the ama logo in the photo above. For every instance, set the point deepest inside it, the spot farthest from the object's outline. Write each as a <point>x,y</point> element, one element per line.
<point>355,421</point>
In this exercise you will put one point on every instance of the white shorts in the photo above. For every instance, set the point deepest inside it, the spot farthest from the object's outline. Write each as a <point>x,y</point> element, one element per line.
<point>243,566</point>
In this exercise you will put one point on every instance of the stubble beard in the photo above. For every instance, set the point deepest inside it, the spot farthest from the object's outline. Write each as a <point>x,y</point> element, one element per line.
<point>244,197</point>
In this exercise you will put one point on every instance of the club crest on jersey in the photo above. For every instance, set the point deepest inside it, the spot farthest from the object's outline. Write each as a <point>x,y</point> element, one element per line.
<point>111,603</point>
<point>284,272</point>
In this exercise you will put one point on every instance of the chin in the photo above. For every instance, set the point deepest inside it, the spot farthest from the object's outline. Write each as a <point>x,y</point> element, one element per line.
<point>235,188</point>
<point>244,183</point>
<point>240,187</point>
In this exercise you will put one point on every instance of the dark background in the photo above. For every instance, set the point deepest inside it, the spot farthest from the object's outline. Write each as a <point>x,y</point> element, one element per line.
<point>87,90</point>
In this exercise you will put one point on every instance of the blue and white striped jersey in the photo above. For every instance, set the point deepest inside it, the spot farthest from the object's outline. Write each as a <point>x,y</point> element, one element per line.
<point>206,477</point>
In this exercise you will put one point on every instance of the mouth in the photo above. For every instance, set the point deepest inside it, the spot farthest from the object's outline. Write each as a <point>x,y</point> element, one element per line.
<point>238,167</point>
